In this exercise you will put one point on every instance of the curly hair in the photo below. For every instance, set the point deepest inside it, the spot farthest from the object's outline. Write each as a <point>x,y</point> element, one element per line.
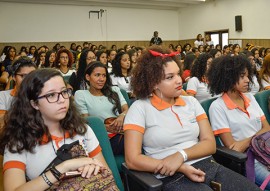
<point>107,88</point>
<point>265,70</point>
<point>116,65</point>
<point>24,125</point>
<point>225,72</point>
<point>70,58</point>
<point>150,71</point>
<point>199,67</point>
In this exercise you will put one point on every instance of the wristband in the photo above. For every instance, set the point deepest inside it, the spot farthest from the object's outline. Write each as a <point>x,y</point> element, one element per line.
<point>123,114</point>
<point>45,178</point>
<point>55,173</point>
<point>184,154</point>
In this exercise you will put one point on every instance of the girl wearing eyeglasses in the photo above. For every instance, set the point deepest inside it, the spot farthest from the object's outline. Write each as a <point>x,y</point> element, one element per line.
<point>20,68</point>
<point>43,118</point>
<point>64,61</point>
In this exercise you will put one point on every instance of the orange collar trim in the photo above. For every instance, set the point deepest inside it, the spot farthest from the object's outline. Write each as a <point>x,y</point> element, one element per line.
<point>161,104</point>
<point>45,138</point>
<point>231,105</point>
<point>13,91</point>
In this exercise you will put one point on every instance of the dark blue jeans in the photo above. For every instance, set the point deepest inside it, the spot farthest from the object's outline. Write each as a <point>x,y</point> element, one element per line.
<point>117,144</point>
<point>229,180</point>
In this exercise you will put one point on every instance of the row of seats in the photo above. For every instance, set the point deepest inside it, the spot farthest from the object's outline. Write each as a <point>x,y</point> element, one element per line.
<point>227,157</point>
<point>134,180</point>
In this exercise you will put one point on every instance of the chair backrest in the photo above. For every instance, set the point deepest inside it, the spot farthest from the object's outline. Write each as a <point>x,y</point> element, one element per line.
<point>262,99</point>
<point>11,84</point>
<point>125,94</point>
<point>66,78</point>
<point>185,86</point>
<point>99,129</point>
<point>206,105</point>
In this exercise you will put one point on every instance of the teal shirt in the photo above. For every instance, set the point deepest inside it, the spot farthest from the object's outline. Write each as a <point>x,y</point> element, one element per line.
<point>98,106</point>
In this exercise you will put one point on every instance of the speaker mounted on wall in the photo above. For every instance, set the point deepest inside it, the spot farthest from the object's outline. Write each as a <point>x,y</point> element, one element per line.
<point>238,23</point>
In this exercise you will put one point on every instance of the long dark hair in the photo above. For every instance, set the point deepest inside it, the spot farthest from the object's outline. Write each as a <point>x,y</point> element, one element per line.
<point>47,59</point>
<point>116,65</point>
<point>24,125</point>
<point>107,88</point>
<point>81,69</point>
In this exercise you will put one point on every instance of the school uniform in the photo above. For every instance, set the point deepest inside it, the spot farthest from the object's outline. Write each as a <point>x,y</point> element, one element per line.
<point>121,82</point>
<point>167,129</point>
<point>227,117</point>
<point>6,98</point>
<point>198,89</point>
<point>265,84</point>
<point>35,163</point>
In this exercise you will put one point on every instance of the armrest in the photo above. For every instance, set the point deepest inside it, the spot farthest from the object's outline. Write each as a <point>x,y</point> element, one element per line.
<point>144,179</point>
<point>231,154</point>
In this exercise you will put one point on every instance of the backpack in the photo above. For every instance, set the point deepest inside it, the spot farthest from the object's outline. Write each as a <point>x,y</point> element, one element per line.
<point>259,149</point>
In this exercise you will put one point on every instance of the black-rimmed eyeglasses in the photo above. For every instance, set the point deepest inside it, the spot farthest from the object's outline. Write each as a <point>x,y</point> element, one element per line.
<point>54,96</point>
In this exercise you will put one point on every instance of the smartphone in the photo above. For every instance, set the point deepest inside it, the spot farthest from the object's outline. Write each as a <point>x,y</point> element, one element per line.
<point>70,174</point>
<point>215,186</point>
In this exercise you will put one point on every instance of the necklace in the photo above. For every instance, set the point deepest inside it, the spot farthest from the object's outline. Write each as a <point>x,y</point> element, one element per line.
<point>53,146</point>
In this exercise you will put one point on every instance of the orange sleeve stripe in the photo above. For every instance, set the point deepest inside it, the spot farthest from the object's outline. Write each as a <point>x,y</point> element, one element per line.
<point>263,118</point>
<point>14,164</point>
<point>134,127</point>
<point>220,131</point>
<point>201,117</point>
<point>191,92</point>
<point>95,151</point>
<point>267,88</point>
<point>3,111</point>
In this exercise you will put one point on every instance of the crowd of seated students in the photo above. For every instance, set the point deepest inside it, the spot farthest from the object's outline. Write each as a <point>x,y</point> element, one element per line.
<point>96,75</point>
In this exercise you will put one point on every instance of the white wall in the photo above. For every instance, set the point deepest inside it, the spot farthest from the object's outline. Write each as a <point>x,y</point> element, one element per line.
<point>220,14</point>
<point>45,23</point>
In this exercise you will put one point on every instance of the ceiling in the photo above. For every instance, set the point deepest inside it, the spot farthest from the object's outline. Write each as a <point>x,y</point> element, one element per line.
<point>152,4</point>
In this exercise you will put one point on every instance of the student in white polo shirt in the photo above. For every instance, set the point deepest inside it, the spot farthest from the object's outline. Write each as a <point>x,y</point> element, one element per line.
<point>42,118</point>
<point>197,84</point>
<point>172,130</point>
<point>236,116</point>
<point>20,68</point>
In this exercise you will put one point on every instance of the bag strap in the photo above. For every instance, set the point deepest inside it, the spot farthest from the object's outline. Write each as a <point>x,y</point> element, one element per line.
<point>62,155</point>
<point>250,166</point>
<point>265,182</point>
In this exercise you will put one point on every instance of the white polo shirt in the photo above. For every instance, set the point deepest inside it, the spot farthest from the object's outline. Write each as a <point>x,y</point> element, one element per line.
<point>35,163</point>
<point>198,89</point>
<point>255,87</point>
<point>166,128</point>
<point>121,82</point>
<point>265,84</point>
<point>6,98</point>
<point>226,116</point>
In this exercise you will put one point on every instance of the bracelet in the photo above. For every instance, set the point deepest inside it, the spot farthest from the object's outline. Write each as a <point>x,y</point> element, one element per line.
<point>45,178</point>
<point>55,172</point>
<point>123,114</point>
<point>184,154</point>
